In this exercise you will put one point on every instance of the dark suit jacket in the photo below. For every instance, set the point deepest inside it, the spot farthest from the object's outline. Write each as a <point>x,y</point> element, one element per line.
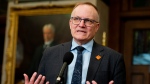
<point>37,58</point>
<point>109,67</point>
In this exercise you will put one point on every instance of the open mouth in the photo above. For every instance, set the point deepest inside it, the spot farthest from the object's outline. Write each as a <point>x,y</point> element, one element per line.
<point>81,31</point>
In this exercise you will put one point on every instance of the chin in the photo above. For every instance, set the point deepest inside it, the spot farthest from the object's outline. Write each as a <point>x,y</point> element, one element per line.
<point>80,39</point>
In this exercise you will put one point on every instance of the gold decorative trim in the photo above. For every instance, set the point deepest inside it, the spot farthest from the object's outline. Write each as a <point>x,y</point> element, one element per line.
<point>14,14</point>
<point>50,6</point>
<point>104,39</point>
<point>11,49</point>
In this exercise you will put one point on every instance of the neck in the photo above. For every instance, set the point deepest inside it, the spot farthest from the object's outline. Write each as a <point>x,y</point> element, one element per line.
<point>81,42</point>
<point>48,41</point>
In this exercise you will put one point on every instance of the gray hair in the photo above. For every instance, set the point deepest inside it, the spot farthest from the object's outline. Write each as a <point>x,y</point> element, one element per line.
<point>50,26</point>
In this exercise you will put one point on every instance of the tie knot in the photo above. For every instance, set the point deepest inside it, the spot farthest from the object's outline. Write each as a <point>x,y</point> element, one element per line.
<point>80,48</point>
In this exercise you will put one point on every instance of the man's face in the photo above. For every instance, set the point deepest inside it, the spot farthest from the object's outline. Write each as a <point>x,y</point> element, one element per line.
<point>81,32</point>
<point>47,34</point>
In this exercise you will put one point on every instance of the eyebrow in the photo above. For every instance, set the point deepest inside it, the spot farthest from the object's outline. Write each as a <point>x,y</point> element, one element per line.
<point>83,18</point>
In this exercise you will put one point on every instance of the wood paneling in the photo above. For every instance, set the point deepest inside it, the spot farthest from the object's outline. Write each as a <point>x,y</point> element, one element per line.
<point>120,15</point>
<point>114,25</point>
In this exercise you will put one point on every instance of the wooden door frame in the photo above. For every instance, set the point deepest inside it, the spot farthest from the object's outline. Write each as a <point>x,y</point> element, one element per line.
<point>128,41</point>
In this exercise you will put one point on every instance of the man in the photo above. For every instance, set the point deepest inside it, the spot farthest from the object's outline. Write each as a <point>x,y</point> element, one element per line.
<point>48,37</point>
<point>100,65</point>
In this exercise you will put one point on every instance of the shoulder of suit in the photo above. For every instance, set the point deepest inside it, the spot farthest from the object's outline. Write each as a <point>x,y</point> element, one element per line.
<point>112,53</point>
<point>107,49</point>
<point>59,45</point>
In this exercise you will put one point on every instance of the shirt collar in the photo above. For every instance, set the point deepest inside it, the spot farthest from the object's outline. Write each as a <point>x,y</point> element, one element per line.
<point>88,46</point>
<point>49,42</point>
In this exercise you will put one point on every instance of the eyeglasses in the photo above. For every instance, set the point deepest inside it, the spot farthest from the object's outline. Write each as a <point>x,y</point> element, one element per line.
<point>87,22</point>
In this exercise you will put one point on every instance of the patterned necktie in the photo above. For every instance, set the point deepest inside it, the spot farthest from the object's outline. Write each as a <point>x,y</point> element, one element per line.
<point>77,74</point>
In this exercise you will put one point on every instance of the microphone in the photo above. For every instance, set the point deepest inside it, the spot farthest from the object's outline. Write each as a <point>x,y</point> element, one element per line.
<point>68,57</point>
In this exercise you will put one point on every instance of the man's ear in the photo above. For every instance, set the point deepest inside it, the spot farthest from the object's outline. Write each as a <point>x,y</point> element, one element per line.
<point>70,23</point>
<point>97,27</point>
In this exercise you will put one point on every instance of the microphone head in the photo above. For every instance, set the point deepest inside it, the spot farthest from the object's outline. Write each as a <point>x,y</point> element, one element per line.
<point>68,57</point>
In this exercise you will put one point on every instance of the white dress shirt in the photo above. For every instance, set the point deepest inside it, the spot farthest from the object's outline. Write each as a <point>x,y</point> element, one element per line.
<point>47,44</point>
<point>85,60</point>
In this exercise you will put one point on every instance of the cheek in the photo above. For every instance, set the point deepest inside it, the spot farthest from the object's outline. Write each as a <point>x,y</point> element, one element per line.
<point>73,28</point>
<point>72,31</point>
<point>92,32</point>
<point>49,35</point>
<point>71,25</point>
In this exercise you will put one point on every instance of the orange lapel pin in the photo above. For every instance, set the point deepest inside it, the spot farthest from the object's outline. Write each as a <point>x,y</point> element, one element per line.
<point>98,57</point>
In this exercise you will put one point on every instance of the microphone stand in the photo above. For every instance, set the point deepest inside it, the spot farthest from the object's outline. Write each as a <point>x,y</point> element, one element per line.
<point>60,78</point>
<point>66,61</point>
<point>60,81</point>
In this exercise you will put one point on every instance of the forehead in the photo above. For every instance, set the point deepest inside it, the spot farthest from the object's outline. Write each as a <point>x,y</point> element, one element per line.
<point>47,29</point>
<point>85,11</point>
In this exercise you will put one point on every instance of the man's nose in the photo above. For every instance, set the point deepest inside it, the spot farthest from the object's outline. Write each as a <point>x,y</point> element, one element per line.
<point>82,23</point>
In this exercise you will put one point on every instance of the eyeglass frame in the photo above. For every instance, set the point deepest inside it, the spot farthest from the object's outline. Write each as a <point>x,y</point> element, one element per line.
<point>80,19</point>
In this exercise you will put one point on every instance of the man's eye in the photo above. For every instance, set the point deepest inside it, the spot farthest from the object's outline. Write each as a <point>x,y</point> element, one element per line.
<point>87,20</point>
<point>76,18</point>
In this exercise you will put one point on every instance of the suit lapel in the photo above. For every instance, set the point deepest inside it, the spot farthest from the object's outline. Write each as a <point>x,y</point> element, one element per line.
<point>94,62</point>
<point>66,47</point>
